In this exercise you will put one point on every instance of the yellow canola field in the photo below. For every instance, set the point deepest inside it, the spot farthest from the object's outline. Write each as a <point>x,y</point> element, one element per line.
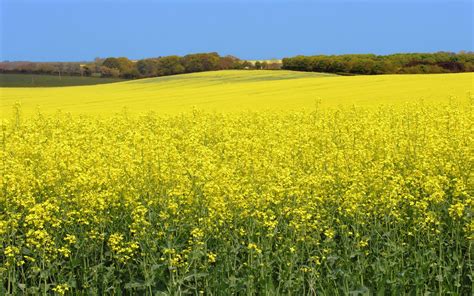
<point>235,90</point>
<point>326,201</point>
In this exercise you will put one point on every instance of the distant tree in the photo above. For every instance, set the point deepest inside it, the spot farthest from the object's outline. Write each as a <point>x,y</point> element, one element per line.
<point>111,63</point>
<point>109,72</point>
<point>44,68</point>
<point>246,65</point>
<point>147,67</point>
<point>439,62</point>
<point>170,65</point>
<point>130,73</point>
<point>86,70</point>
<point>125,67</point>
<point>258,65</point>
<point>60,69</point>
<point>228,62</point>
<point>201,62</point>
<point>72,69</point>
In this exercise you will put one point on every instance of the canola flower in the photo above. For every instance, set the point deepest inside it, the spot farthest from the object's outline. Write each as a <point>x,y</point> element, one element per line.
<point>322,202</point>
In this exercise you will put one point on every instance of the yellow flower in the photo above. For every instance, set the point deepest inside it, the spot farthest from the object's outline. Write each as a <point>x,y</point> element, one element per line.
<point>456,211</point>
<point>363,243</point>
<point>71,239</point>
<point>123,251</point>
<point>329,233</point>
<point>254,247</point>
<point>61,289</point>
<point>211,257</point>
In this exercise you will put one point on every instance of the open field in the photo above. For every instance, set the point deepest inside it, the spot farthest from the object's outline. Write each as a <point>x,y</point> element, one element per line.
<point>240,90</point>
<point>33,80</point>
<point>278,183</point>
<point>278,61</point>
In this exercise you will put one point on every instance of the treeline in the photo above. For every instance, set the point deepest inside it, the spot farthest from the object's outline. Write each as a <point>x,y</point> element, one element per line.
<point>126,68</point>
<point>413,63</point>
<point>122,67</point>
<point>56,68</point>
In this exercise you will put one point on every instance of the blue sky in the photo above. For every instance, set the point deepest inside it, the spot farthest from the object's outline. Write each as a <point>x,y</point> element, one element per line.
<point>74,30</point>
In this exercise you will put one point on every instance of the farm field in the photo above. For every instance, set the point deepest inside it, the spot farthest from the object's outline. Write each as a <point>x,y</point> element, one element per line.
<point>231,91</point>
<point>34,80</point>
<point>239,182</point>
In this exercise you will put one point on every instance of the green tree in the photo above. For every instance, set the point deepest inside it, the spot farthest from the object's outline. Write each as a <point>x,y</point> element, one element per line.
<point>122,64</point>
<point>111,63</point>
<point>170,65</point>
<point>147,67</point>
<point>228,62</point>
<point>201,62</point>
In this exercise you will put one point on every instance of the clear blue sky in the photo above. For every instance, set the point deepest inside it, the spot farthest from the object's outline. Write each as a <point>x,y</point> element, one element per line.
<point>75,30</point>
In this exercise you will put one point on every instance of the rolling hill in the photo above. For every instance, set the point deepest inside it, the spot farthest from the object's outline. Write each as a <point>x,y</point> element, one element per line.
<point>234,90</point>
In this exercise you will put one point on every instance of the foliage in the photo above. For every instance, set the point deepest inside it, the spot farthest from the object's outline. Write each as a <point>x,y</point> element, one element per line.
<point>56,68</point>
<point>125,68</point>
<point>200,62</point>
<point>324,202</point>
<point>414,63</point>
<point>169,65</point>
<point>119,67</point>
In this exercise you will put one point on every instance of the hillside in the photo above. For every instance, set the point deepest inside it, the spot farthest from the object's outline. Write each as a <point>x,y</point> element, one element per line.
<point>236,90</point>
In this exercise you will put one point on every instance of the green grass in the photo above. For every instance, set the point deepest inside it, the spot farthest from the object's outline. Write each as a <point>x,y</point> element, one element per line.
<point>35,80</point>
